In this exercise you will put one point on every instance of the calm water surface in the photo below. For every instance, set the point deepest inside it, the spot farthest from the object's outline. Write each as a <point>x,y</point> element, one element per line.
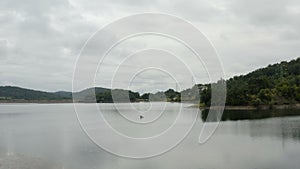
<point>49,136</point>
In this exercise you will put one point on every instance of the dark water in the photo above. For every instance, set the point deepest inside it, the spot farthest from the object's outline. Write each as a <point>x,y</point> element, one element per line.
<point>49,136</point>
<point>252,114</point>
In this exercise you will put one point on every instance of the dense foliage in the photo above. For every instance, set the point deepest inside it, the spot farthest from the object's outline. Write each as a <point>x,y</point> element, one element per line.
<point>274,85</point>
<point>118,95</point>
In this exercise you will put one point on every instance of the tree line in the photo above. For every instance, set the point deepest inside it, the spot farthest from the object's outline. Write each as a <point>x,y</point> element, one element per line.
<point>277,84</point>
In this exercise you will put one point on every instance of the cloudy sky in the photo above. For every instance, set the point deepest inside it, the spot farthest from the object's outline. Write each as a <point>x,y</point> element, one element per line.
<point>40,40</point>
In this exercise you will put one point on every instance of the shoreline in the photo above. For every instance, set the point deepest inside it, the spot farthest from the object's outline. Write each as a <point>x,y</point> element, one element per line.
<point>261,107</point>
<point>35,101</point>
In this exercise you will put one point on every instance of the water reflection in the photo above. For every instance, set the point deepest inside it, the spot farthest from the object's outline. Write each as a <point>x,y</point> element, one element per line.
<point>285,126</point>
<point>252,114</point>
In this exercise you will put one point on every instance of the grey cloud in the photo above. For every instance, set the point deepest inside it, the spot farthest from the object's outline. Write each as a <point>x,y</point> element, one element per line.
<point>3,48</point>
<point>41,51</point>
<point>39,40</point>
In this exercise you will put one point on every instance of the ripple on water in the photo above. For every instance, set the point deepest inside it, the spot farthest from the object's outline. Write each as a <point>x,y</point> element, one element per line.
<point>23,162</point>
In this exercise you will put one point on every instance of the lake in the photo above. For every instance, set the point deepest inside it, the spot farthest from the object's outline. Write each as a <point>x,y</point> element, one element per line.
<point>49,136</point>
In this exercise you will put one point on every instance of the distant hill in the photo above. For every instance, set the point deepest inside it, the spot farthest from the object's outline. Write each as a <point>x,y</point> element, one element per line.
<point>277,84</point>
<point>64,94</point>
<point>102,95</point>
<point>88,95</point>
<point>17,93</point>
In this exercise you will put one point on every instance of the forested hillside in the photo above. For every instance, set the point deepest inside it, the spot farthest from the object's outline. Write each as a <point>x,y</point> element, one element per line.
<point>17,93</point>
<point>277,84</point>
<point>274,85</point>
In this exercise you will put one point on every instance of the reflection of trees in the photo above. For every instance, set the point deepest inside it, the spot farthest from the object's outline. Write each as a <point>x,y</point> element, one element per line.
<point>252,114</point>
<point>281,128</point>
<point>284,127</point>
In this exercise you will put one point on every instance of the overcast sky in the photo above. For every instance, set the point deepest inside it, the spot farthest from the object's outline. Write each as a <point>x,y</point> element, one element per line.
<point>40,40</point>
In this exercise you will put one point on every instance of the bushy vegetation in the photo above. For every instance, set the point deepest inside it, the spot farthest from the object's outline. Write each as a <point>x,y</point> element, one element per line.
<point>119,95</point>
<point>274,85</point>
